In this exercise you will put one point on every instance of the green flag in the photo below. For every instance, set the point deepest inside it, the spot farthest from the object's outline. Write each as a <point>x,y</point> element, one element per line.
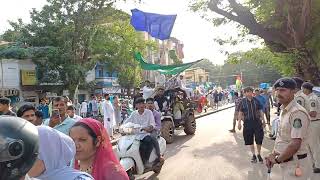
<point>169,69</point>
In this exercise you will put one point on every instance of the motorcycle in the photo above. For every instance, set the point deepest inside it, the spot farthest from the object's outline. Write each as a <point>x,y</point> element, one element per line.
<point>129,154</point>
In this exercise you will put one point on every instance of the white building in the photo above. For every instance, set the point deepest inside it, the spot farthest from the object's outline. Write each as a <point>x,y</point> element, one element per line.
<point>14,74</point>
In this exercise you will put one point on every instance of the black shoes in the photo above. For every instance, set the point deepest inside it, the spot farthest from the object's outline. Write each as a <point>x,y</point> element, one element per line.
<point>316,170</point>
<point>257,158</point>
<point>260,158</point>
<point>254,159</point>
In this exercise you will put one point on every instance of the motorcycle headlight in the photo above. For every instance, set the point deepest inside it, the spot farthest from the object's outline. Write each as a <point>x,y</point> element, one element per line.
<point>10,149</point>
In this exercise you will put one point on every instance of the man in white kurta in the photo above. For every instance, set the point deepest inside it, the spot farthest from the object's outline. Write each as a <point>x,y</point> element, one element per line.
<point>108,115</point>
<point>182,85</point>
<point>147,91</point>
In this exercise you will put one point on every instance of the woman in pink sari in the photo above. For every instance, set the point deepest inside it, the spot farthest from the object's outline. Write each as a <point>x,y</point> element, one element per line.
<point>94,153</point>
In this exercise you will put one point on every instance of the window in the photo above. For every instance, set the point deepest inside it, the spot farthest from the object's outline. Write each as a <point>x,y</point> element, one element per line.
<point>100,72</point>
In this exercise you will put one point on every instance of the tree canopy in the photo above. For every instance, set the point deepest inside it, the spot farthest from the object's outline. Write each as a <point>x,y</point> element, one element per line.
<point>69,37</point>
<point>286,26</point>
<point>253,73</point>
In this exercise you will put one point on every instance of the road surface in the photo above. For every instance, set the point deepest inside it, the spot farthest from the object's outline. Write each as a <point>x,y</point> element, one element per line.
<point>213,153</point>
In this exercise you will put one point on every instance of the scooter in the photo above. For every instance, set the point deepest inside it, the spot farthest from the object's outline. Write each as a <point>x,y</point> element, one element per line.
<point>129,154</point>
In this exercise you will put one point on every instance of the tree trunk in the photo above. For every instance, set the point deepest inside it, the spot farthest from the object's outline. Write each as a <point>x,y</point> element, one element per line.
<point>307,68</point>
<point>72,90</point>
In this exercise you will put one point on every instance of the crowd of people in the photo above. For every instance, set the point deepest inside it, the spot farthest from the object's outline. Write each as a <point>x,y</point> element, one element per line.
<point>297,138</point>
<point>61,147</point>
<point>111,111</point>
<point>76,147</point>
<point>61,140</point>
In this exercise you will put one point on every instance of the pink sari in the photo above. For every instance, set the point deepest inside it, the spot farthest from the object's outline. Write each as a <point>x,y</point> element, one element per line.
<point>106,166</point>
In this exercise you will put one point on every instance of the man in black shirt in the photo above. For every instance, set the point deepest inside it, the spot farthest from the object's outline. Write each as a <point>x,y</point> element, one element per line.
<point>250,112</point>
<point>5,107</point>
<point>160,98</point>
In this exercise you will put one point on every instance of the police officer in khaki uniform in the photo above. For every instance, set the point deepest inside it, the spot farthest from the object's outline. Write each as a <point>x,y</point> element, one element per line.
<point>291,146</point>
<point>300,97</point>
<point>314,143</point>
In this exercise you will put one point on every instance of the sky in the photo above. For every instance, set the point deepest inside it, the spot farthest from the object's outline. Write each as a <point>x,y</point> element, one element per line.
<point>196,33</point>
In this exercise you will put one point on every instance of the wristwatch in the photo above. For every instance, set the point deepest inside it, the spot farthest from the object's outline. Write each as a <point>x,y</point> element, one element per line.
<point>276,159</point>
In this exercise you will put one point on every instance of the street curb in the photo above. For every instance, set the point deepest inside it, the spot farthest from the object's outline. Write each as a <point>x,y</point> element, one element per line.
<point>206,114</point>
<point>114,142</point>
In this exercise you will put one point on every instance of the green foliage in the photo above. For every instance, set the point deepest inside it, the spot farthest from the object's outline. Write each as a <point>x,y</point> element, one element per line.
<point>130,77</point>
<point>283,63</point>
<point>67,38</point>
<point>16,33</point>
<point>174,57</point>
<point>290,30</point>
<point>14,51</point>
<point>253,73</point>
<point>115,45</point>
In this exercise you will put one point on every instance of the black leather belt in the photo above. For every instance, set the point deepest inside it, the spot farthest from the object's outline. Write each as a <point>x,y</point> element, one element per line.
<point>302,156</point>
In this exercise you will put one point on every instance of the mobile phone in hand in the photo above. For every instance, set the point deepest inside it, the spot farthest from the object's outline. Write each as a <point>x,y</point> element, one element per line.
<point>56,113</point>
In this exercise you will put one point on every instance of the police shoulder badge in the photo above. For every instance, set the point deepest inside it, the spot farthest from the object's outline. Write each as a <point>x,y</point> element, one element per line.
<point>297,123</point>
<point>313,104</point>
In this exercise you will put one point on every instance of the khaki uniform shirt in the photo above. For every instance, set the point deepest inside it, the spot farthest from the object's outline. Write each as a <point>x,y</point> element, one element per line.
<point>302,99</point>
<point>314,103</point>
<point>294,123</point>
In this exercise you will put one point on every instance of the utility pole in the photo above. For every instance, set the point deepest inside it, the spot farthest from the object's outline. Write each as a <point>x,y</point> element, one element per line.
<point>241,79</point>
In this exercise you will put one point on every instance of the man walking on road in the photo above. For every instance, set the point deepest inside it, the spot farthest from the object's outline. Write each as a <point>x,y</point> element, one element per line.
<point>108,115</point>
<point>314,125</point>
<point>237,100</point>
<point>269,101</point>
<point>291,146</point>
<point>94,107</point>
<point>250,112</point>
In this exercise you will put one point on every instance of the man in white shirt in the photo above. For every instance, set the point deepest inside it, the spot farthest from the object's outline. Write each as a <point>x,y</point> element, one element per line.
<point>108,115</point>
<point>145,118</point>
<point>71,113</point>
<point>147,91</point>
<point>94,106</point>
<point>182,85</point>
<point>84,109</point>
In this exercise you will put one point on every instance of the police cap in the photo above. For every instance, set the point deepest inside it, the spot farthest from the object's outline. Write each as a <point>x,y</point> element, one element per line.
<point>298,81</point>
<point>308,85</point>
<point>285,83</point>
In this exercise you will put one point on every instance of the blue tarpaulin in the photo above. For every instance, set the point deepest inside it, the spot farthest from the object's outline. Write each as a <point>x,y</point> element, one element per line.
<point>157,25</point>
<point>264,85</point>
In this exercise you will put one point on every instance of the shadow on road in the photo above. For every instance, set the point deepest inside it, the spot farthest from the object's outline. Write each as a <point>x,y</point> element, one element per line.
<point>179,143</point>
<point>152,177</point>
<point>239,159</point>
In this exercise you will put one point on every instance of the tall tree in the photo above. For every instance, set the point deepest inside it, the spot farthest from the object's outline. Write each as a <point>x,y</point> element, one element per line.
<point>252,72</point>
<point>115,44</point>
<point>287,26</point>
<point>72,30</point>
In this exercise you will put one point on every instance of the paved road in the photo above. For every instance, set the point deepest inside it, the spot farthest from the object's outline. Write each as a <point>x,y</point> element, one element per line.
<point>213,154</point>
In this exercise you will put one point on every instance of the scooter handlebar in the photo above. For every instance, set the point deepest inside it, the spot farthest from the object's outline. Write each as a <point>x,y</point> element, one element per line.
<point>129,131</point>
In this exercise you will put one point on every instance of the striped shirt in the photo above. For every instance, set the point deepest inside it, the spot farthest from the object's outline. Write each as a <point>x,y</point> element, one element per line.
<point>251,111</point>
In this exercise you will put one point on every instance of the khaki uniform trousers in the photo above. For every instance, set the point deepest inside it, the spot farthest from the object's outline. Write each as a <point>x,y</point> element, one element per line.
<point>314,142</point>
